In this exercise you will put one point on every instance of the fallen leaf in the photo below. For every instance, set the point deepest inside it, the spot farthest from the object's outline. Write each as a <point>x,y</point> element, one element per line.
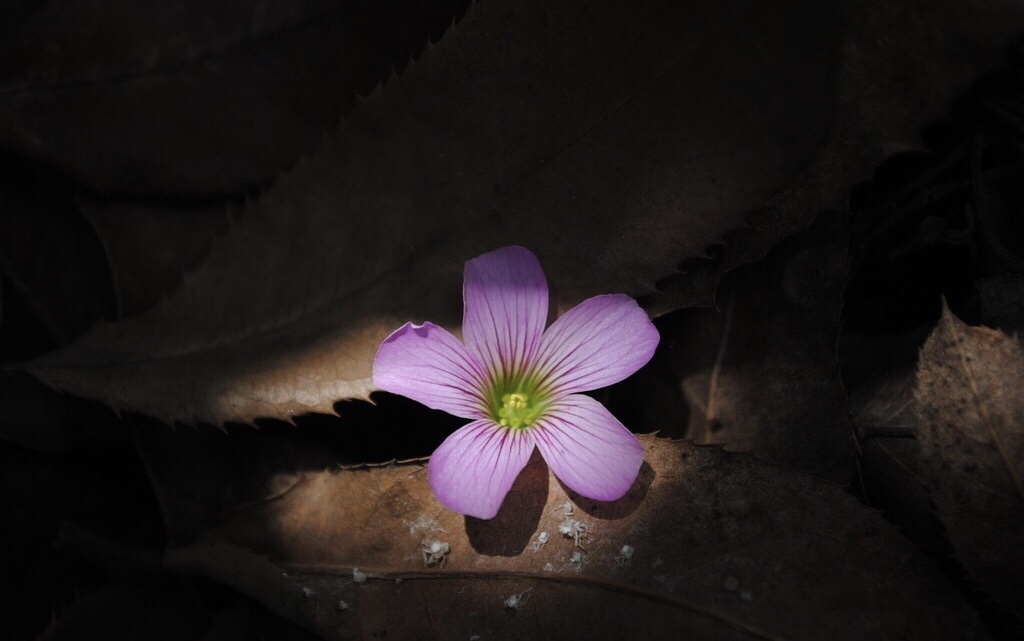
<point>720,546</point>
<point>97,485</point>
<point>136,609</point>
<point>188,99</point>
<point>201,473</point>
<point>889,473</point>
<point>970,424</point>
<point>648,132</point>
<point>900,66</point>
<point>51,260</point>
<point>761,374</point>
<point>150,246</point>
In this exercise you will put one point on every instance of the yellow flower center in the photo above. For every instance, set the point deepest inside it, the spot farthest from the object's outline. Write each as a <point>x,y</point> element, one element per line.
<point>516,411</point>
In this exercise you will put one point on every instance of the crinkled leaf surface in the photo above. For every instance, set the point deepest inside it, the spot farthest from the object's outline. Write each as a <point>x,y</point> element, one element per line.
<point>614,142</point>
<point>970,414</point>
<point>723,546</point>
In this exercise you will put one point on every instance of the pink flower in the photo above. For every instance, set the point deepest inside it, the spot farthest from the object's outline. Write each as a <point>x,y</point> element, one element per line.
<point>518,384</point>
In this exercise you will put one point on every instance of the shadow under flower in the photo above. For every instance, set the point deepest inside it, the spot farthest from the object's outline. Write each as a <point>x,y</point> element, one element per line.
<point>512,529</point>
<point>509,532</point>
<point>621,508</point>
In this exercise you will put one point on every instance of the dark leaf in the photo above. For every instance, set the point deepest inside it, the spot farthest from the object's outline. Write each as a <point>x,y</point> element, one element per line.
<point>761,374</point>
<point>970,415</point>
<point>644,135</point>
<point>56,280</point>
<point>190,99</point>
<point>151,246</point>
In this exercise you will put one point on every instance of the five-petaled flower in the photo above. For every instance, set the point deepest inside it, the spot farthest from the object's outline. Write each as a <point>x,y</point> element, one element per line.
<point>519,385</point>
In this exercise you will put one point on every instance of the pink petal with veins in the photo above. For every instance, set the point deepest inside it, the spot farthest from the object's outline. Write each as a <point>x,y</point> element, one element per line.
<point>473,470</point>
<point>505,295</point>
<point>595,344</point>
<point>428,364</point>
<point>587,448</point>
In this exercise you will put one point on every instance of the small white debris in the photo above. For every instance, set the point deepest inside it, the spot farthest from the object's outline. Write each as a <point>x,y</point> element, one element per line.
<point>435,553</point>
<point>578,559</point>
<point>548,567</point>
<point>475,637</point>
<point>624,556</point>
<point>570,528</point>
<point>746,596</point>
<point>358,575</point>
<point>542,540</point>
<point>343,605</point>
<point>422,523</point>
<point>517,601</point>
<point>309,592</point>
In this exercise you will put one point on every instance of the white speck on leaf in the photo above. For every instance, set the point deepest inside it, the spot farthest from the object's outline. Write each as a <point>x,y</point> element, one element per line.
<point>422,523</point>
<point>575,530</point>
<point>517,601</point>
<point>624,556</point>
<point>542,540</point>
<point>435,553</point>
<point>578,559</point>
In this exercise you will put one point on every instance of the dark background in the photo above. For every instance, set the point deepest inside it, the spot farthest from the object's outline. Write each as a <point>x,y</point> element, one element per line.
<point>155,125</point>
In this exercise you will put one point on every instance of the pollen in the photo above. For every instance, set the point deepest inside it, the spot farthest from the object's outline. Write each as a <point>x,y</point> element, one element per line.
<point>516,411</point>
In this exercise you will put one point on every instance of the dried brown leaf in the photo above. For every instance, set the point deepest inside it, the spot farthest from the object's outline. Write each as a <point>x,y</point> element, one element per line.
<point>646,133</point>
<point>889,463</point>
<point>970,423</point>
<point>723,546</point>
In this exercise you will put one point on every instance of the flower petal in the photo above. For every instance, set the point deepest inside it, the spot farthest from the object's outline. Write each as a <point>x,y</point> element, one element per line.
<point>599,342</point>
<point>473,470</point>
<point>506,307</point>
<point>587,448</point>
<point>427,364</point>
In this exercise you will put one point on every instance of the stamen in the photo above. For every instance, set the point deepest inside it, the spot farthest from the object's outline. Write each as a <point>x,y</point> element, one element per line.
<point>515,410</point>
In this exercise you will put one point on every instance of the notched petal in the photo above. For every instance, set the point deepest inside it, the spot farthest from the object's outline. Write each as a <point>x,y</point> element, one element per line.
<point>428,364</point>
<point>475,467</point>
